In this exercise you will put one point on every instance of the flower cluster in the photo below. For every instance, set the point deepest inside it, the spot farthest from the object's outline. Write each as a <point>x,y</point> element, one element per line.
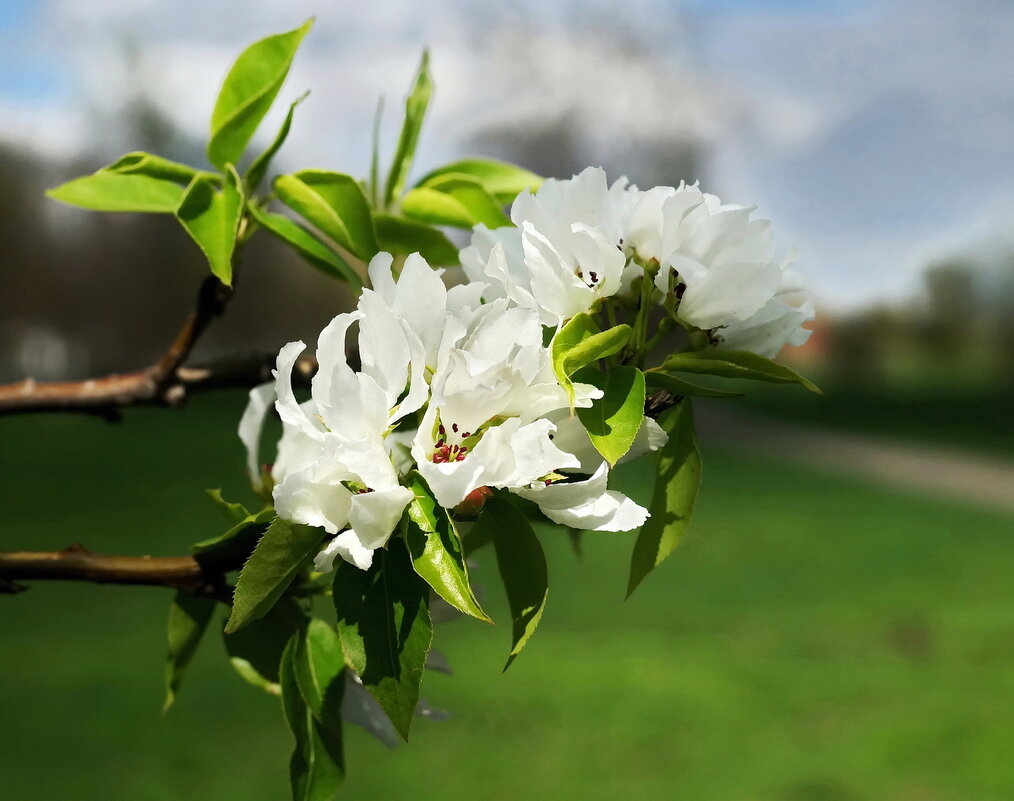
<point>459,385</point>
<point>581,241</point>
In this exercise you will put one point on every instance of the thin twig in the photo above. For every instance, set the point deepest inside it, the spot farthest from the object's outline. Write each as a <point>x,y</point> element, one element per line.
<point>241,371</point>
<point>158,384</point>
<point>77,563</point>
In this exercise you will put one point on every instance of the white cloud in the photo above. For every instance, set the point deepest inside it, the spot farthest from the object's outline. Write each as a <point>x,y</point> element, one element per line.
<point>913,140</point>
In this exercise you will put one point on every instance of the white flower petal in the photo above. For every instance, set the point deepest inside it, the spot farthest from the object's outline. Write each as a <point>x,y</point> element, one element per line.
<point>727,292</point>
<point>650,437</point>
<point>315,496</point>
<point>765,333</point>
<point>251,424</point>
<point>348,547</point>
<point>296,449</point>
<point>374,515</point>
<point>383,347</point>
<point>586,505</point>
<point>382,277</point>
<point>286,403</point>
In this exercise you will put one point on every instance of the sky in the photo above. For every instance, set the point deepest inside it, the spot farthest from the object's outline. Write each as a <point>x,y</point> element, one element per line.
<point>877,136</point>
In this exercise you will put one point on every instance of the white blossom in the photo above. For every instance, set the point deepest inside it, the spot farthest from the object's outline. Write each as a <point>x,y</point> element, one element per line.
<point>579,241</point>
<point>458,384</point>
<point>563,254</point>
<point>485,424</point>
<point>341,472</point>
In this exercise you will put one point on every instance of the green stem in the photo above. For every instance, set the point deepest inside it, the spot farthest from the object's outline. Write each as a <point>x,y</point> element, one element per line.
<point>641,322</point>
<point>611,313</point>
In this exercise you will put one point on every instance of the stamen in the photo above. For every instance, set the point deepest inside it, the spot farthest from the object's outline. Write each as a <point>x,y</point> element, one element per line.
<point>443,453</point>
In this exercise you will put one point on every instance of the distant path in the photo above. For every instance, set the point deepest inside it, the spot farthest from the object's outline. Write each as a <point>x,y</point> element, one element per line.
<point>939,471</point>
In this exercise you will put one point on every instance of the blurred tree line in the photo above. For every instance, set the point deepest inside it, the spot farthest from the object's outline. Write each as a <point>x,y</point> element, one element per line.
<point>86,294</point>
<point>958,327</point>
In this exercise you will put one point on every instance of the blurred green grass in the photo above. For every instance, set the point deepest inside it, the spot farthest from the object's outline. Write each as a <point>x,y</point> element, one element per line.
<point>815,639</point>
<point>967,415</point>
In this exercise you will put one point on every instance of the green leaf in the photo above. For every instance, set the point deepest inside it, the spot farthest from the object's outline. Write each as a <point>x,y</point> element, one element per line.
<point>317,766</point>
<point>319,665</point>
<point>136,181</point>
<point>237,542</point>
<point>677,482</point>
<point>233,512</point>
<point>258,169</point>
<point>681,387</point>
<point>272,566</point>
<point>580,342</point>
<point>248,91</point>
<point>612,421</point>
<point>211,216</point>
<point>415,110</point>
<point>457,200</point>
<point>335,203</point>
<point>113,191</point>
<point>401,236</point>
<point>576,542</point>
<point>385,629</point>
<point>141,163</point>
<point>436,551</point>
<point>255,651</point>
<point>188,618</point>
<point>502,180</point>
<point>735,364</point>
<point>316,252</point>
<point>522,567</point>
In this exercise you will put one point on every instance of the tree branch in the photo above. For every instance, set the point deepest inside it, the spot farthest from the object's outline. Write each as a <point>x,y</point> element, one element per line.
<point>77,563</point>
<point>167,383</point>
<point>241,371</point>
<point>157,384</point>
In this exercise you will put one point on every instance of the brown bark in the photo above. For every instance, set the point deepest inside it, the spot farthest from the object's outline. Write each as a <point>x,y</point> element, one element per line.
<point>77,563</point>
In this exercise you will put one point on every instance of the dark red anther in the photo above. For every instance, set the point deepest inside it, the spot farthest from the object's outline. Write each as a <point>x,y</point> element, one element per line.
<point>454,427</point>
